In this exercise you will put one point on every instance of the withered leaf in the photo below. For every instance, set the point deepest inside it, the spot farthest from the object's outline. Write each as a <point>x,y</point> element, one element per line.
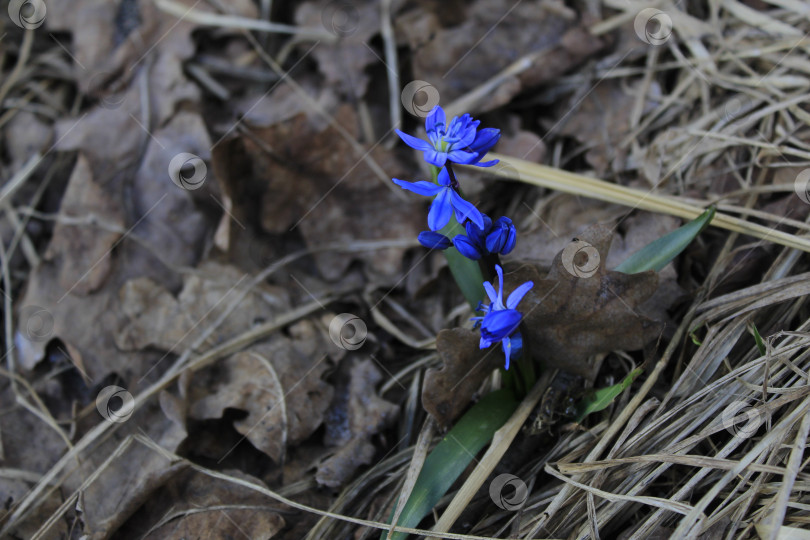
<point>363,414</point>
<point>278,384</point>
<point>158,319</point>
<point>448,390</point>
<point>567,320</point>
<point>194,505</point>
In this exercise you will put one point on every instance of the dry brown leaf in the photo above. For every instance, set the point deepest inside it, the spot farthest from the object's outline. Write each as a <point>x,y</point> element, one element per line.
<point>456,58</point>
<point>158,319</point>
<point>344,62</point>
<point>567,320</point>
<point>194,505</point>
<point>277,383</point>
<point>72,246</point>
<point>122,488</point>
<point>448,390</point>
<point>358,414</point>
<point>313,180</point>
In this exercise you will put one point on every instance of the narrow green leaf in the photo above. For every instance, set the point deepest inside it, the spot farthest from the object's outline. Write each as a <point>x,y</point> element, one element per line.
<point>453,454</point>
<point>656,254</point>
<point>758,339</point>
<point>601,398</point>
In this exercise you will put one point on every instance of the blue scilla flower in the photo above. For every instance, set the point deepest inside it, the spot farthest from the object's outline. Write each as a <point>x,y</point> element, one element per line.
<point>459,141</point>
<point>447,200</point>
<point>500,322</point>
<point>497,237</point>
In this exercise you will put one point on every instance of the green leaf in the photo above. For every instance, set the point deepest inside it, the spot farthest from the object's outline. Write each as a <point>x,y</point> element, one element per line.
<point>656,254</point>
<point>604,396</point>
<point>758,339</point>
<point>453,454</point>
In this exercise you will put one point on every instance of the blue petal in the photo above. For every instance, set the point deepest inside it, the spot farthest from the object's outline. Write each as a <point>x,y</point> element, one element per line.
<point>486,163</point>
<point>434,240</point>
<point>490,290</point>
<point>499,271</point>
<point>461,156</point>
<point>436,158</point>
<point>484,140</point>
<point>511,240</point>
<point>413,142</point>
<point>495,241</point>
<point>506,345</point>
<point>444,178</point>
<point>434,117</point>
<point>518,294</point>
<point>500,324</point>
<point>422,187</point>
<point>440,210</point>
<point>465,210</point>
<point>466,248</point>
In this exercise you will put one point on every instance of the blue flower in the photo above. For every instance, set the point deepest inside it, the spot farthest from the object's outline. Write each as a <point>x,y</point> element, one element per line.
<point>498,237</point>
<point>500,322</point>
<point>446,201</point>
<point>434,240</point>
<point>459,141</point>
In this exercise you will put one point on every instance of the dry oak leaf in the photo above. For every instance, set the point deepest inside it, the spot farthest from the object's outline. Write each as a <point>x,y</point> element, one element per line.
<point>362,413</point>
<point>277,383</point>
<point>194,505</point>
<point>157,319</point>
<point>567,320</point>
<point>449,389</point>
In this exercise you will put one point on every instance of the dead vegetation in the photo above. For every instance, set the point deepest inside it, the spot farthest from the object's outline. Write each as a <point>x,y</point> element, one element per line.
<point>193,192</point>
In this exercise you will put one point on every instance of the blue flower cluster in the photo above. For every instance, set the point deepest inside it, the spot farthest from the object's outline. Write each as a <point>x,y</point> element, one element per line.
<point>461,142</point>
